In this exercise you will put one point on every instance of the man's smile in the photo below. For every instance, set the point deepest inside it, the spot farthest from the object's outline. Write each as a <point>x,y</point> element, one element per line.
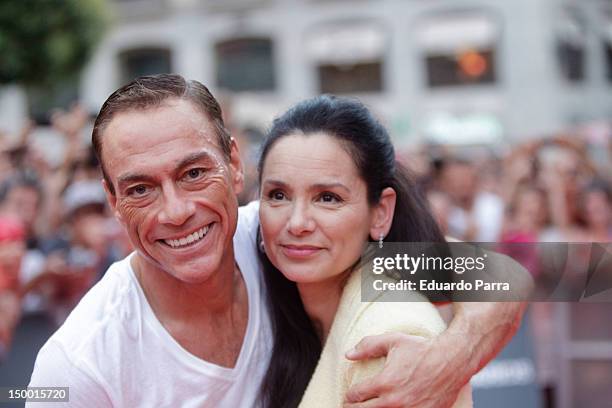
<point>189,239</point>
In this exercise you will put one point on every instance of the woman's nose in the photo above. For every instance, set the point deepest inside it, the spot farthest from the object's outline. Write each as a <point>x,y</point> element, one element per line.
<point>300,221</point>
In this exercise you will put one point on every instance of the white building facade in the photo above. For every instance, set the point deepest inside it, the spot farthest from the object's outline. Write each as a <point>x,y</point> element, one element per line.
<point>468,71</point>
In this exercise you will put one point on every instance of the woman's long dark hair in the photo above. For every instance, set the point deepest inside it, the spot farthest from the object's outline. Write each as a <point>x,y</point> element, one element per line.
<point>296,346</point>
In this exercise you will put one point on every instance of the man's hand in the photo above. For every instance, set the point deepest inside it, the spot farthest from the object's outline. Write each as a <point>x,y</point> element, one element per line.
<point>418,373</point>
<point>430,373</point>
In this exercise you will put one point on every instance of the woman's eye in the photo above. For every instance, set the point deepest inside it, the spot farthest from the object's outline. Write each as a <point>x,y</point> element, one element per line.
<point>329,198</point>
<point>277,195</point>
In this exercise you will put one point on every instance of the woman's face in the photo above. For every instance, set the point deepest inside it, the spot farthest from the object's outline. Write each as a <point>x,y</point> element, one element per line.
<point>596,208</point>
<point>531,208</point>
<point>314,213</point>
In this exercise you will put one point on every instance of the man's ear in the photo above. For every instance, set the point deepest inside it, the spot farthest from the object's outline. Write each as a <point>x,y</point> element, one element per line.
<point>237,171</point>
<point>112,201</point>
<point>382,216</point>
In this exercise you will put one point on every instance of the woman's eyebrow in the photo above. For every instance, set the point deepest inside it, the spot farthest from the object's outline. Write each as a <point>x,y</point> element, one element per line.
<point>317,186</point>
<point>275,183</point>
<point>325,186</point>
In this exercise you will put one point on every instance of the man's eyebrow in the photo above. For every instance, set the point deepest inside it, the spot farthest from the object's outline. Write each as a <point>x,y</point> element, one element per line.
<point>133,177</point>
<point>194,158</point>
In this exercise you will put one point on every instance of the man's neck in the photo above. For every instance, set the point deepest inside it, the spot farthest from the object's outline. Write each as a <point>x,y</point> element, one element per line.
<point>208,319</point>
<point>169,296</point>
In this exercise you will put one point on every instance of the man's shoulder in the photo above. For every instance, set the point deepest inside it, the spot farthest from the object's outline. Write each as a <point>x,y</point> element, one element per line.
<point>248,219</point>
<point>106,306</point>
<point>245,239</point>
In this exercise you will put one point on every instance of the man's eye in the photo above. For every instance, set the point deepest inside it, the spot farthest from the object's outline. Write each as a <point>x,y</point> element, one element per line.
<point>194,174</point>
<point>137,191</point>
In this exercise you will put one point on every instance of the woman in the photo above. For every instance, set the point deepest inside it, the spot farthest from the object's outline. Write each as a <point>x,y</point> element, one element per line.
<point>329,184</point>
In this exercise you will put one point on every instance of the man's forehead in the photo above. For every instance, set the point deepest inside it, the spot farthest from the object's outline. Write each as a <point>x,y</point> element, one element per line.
<point>176,110</point>
<point>173,118</point>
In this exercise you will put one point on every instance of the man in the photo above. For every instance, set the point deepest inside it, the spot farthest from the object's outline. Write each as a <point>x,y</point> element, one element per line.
<point>181,322</point>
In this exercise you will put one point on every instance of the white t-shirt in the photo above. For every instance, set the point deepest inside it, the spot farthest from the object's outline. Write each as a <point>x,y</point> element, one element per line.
<point>112,350</point>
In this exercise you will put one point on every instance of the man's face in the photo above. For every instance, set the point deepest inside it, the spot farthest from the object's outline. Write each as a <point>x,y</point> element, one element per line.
<point>175,190</point>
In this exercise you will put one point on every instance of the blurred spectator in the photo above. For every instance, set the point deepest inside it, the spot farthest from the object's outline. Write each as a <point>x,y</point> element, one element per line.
<point>527,215</point>
<point>476,213</point>
<point>249,140</point>
<point>12,249</point>
<point>87,222</point>
<point>21,197</point>
<point>595,213</point>
<point>440,206</point>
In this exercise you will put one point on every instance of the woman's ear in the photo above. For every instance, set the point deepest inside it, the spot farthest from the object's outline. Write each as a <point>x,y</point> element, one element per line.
<point>383,214</point>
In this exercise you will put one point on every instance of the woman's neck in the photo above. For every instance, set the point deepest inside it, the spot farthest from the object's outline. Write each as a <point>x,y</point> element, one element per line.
<point>321,301</point>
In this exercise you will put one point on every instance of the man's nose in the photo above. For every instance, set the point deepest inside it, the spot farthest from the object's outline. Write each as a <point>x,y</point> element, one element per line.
<point>300,221</point>
<point>177,208</point>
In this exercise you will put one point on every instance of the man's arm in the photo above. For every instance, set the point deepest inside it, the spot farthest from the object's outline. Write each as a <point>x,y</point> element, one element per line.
<point>430,373</point>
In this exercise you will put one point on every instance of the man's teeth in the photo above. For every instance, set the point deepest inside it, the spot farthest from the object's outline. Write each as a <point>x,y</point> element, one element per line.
<point>189,239</point>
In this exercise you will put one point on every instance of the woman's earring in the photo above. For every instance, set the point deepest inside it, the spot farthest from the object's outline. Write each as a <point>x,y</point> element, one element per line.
<point>380,241</point>
<point>262,248</point>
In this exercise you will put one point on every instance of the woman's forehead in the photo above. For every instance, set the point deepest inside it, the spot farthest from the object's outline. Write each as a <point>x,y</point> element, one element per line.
<point>310,160</point>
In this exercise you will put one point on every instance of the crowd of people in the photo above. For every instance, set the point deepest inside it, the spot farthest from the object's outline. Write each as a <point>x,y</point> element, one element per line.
<point>57,236</point>
<point>546,190</point>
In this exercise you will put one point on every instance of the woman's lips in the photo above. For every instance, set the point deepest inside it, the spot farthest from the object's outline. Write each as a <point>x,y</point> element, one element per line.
<point>300,251</point>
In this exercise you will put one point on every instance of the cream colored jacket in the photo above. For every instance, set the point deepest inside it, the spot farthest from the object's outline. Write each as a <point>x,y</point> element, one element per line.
<point>354,320</point>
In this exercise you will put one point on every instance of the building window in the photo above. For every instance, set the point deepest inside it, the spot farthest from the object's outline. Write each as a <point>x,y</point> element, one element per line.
<point>361,77</point>
<point>461,68</point>
<point>145,61</point>
<point>571,60</point>
<point>459,49</point>
<point>245,64</point>
<point>570,46</point>
<point>608,56</point>
<point>348,57</point>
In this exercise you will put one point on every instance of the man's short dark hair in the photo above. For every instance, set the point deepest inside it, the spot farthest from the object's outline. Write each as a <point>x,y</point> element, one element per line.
<point>149,92</point>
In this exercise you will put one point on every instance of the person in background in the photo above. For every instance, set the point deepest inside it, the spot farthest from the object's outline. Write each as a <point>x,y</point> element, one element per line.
<point>12,250</point>
<point>476,213</point>
<point>595,209</point>
<point>21,195</point>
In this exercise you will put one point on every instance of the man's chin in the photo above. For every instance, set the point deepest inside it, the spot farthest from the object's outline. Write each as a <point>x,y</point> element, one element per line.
<point>193,276</point>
